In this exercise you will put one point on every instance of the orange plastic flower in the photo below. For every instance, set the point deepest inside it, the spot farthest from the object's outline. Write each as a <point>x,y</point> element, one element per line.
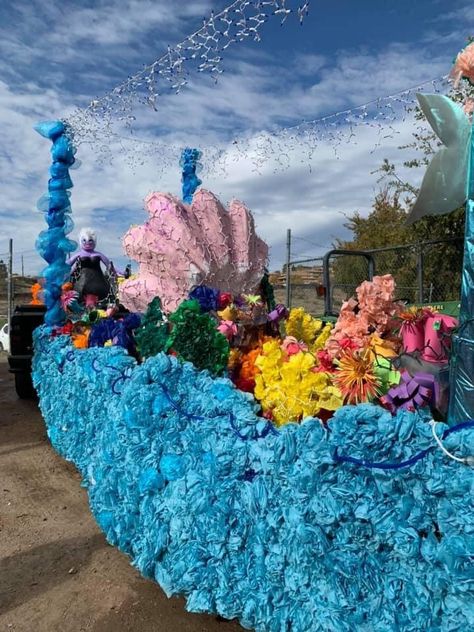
<point>248,369</point>
<point>81,340</point>
<point>36,290</point>
<point>355,377</point>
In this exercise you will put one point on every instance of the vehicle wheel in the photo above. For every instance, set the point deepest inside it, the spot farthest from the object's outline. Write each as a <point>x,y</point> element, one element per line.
<point>24,386</point>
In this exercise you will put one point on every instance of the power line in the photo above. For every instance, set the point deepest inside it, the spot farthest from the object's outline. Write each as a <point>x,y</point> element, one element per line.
<point>312,243</point>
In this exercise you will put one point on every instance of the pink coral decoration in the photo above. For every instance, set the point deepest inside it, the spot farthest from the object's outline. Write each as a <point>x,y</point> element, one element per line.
<point>183,245</point>
<point>468,106</point>
<point>293,346</point>
<point>227,328</point>
<point>374,311</point>
<point>67,298</point>
<point>464,65</point>
<point>438,330</point>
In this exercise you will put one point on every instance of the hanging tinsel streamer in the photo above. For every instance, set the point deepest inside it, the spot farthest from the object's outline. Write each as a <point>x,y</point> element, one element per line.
<point>108,122</point>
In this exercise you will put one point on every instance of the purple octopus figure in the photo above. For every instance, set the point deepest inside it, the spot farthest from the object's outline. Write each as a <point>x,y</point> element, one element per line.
<point>86,271</point>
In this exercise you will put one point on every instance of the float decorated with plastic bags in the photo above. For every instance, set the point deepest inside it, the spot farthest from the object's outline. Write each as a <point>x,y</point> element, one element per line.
<point>273,468</point>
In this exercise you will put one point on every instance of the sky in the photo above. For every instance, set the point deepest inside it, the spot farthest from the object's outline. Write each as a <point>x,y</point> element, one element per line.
<point>60,55</point>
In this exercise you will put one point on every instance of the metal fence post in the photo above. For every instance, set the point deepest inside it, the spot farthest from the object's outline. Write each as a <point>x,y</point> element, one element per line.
<point>288,274</point>
<point>368,256</point>
<point>10,284</point>
<point>420,273</point>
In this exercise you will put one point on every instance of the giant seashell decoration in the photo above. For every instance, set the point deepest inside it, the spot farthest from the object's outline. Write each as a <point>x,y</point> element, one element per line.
<point>181,246</point>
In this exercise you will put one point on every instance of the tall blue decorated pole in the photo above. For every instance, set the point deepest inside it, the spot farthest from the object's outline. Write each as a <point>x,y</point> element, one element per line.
<point>448,184</point>
<point>461,403</point>
<point>466,315</point>
<point>52,243</point>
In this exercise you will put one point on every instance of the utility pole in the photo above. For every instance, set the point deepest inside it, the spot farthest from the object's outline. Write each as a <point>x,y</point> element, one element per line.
<point>10,284</point>
<point>288,260</point>
<point>22,267</point>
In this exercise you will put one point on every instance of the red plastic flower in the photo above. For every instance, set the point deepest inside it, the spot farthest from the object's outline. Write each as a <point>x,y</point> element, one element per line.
<point>66,329</point>
<point>225,299</point>
<point>291,346</point>
<point>245,384</point>
<point>325,363</point>
<point>348,344</point>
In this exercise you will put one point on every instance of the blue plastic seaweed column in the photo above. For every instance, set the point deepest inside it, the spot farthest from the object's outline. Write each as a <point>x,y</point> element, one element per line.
<point>52,243</point>
<point>466,314</point>
<point>461,395</point>
<point>189,163</point>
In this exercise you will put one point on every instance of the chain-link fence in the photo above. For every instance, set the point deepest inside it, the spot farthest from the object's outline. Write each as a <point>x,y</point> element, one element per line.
<point>424,272</point>
<point>305,288</point>
<point>427,272</point>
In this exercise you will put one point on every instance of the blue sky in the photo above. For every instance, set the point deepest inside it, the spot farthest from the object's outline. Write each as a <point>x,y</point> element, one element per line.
<point>59,55</point>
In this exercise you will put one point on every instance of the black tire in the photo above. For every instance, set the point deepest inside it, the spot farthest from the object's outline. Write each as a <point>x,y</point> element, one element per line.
<point>24,386</point>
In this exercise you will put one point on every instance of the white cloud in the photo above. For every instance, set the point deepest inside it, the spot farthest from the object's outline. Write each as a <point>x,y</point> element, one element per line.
<point>123,21</point>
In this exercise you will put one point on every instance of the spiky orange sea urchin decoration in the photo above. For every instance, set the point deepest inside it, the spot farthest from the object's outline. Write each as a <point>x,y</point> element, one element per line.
<point>355,377</point>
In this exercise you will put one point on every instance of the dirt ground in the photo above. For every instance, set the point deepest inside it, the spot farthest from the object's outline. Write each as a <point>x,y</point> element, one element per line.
<point>57,573</point>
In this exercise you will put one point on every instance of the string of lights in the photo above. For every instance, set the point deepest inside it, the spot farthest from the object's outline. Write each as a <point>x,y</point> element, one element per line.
<point>107,124</point>
<point>201,52</point>
<point>283,146</point>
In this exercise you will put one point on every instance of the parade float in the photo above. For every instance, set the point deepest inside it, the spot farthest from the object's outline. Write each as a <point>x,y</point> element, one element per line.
<point>271,468</point>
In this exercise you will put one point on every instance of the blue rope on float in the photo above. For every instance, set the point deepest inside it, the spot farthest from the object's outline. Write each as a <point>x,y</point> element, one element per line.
<point>342,458</point>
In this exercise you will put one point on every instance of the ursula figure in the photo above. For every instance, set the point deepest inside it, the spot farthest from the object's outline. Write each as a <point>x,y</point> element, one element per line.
<point>86,271</point>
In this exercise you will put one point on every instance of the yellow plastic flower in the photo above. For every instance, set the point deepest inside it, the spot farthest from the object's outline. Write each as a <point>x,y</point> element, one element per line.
<point>303,326</point>
<point>331,397</point>
<point>322,338</point>
<point>228,313</point>
<point>378,347</point>
<point>290,388</point>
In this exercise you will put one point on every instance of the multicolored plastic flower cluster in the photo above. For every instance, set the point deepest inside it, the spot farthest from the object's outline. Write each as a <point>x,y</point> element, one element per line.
<point>295,365</point>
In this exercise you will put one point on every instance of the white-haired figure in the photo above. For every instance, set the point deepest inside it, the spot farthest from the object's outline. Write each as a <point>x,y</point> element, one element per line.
<point>87,270</point>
